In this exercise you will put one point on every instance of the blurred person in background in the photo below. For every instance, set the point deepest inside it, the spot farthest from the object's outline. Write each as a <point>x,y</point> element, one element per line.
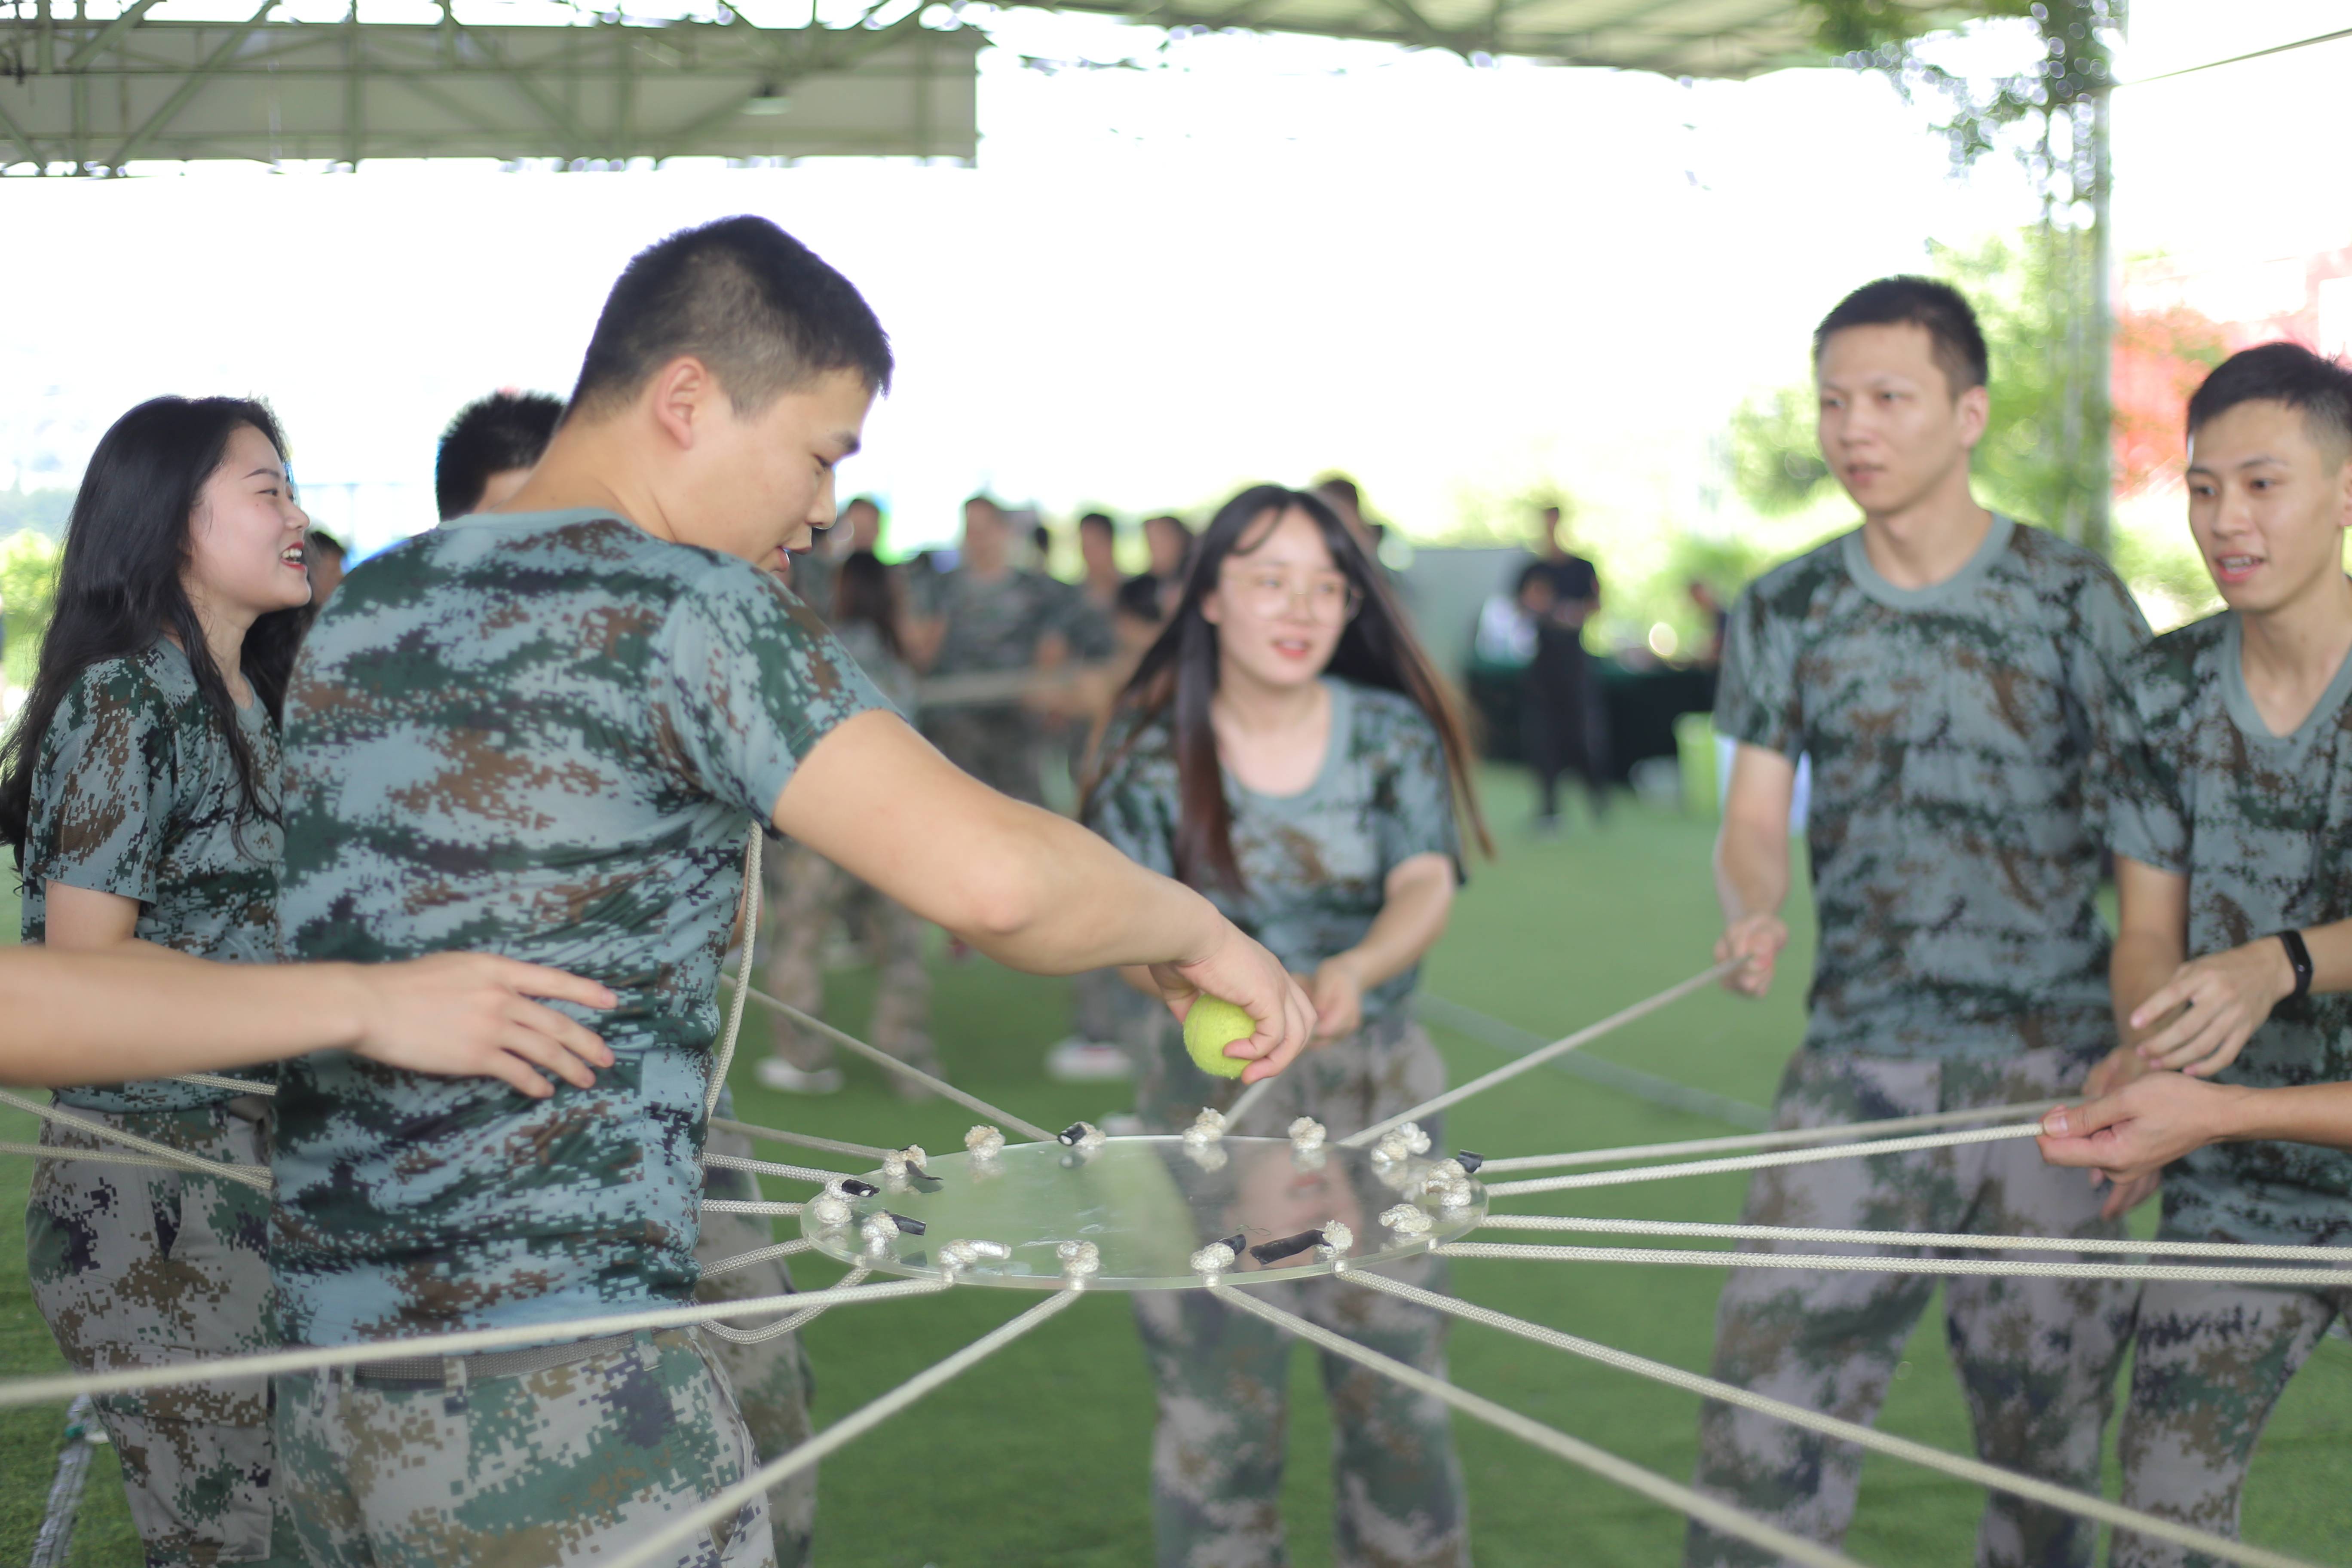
<point>812,897</point>
<point>489,448</point>
<point>991,616</point>
<point>1563,723</point>
<point>1170,542</point>
<point>1098,557</point>
<point>324,554</point>
<point>1286,747</point>
<point>813,571</point>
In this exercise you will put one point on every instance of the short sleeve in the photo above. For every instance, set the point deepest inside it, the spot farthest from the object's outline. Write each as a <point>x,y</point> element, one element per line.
<point>102,805</point>
<point>1134,806</point>
<point>1416,810</point>
<point>2107,635</point>
<point>1756,699</point>
<point>747,682</point>
<point>2138,772</point>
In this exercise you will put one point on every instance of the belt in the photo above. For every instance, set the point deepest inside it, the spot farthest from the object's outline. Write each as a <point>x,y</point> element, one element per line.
<point>456,1371</point>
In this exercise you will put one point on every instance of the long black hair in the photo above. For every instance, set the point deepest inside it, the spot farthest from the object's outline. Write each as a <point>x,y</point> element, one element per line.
<point>118,588</point>
<point>1177,678</point>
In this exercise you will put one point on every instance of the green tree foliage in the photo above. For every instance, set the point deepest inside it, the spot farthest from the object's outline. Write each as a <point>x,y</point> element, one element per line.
<point>28,588</point>
<point>1776,463</point>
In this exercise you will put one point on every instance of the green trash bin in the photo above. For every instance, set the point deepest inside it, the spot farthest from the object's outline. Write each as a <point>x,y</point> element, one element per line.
<point>1695,754</point>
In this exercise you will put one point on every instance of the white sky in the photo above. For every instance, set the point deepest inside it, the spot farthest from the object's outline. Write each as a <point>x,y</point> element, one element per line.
<point>1268,257</point>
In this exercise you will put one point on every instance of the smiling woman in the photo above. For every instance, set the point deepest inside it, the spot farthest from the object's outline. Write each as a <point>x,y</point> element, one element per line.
<point>140,794</point>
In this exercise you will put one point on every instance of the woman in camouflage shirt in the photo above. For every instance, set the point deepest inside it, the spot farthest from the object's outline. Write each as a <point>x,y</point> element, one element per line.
<point>139,792</point>
<point>1285,748</point>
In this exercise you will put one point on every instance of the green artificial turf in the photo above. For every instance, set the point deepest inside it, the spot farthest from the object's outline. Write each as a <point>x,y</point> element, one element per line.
<point>1039,1456</point>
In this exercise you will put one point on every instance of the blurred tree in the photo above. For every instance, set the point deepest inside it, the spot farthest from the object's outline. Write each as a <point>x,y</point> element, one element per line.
<point>28,588</point>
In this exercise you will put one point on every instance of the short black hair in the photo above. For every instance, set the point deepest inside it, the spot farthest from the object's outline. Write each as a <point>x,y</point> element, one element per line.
<point>1097,519</point>
<point>1140,597</point>
<point>320,539</point>
<point>490,436</point>
<point>1942,312</point>
<point>745,298</point>
<point>2318,388</point>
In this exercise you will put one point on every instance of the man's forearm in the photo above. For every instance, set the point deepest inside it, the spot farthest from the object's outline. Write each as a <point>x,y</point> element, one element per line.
<point>1751,870</point>
<point>2142,962</point>
<point>2317,1113</point>
<point>1083,905</point>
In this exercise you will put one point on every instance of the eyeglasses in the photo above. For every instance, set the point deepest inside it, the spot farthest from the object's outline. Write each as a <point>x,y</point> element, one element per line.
<point>1329,598</point>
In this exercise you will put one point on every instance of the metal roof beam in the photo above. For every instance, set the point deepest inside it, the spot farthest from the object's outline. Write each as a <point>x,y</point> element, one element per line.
<point>187,90</point>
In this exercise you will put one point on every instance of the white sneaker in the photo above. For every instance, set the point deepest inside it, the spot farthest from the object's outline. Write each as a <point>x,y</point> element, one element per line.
<point>774,1072</point>
<point>1081,1060</point>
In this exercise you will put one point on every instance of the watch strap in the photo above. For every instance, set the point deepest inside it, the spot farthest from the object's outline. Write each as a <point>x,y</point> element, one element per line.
<point>2299,958</point>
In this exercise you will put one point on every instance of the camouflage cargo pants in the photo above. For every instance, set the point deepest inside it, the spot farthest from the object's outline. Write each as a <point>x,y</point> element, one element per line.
<point>2037,1358</point>
<point>133,1268</point>
<point>566,1465</point>
<point>2210,1364</point>
<point>1222,1376</point>
<point>771,1379</point>
<point>998,746</point>
<point>807,894</point>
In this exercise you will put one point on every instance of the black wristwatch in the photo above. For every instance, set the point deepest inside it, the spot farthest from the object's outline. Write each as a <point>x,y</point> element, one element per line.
<point>2299,958</point>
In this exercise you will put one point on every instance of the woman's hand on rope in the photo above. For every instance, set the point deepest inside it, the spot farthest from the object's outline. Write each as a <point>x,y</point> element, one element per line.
<point>1758,940</point>
<point>470,1014</point>
<point>1244,973</point>
<point>2222,999</point>
<point>2131,1135</point>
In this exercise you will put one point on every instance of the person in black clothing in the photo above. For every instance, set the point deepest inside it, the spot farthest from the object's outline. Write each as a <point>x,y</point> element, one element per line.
<point>1562,723</point>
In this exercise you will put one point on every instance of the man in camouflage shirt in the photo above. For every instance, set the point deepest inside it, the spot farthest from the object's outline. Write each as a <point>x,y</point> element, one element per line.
<point>545,732</point>
<point>1947,670</point>
<point>2233,958</point>
<point>988,616</point>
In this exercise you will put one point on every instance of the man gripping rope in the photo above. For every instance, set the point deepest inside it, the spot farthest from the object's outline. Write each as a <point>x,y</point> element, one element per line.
<point>1947,670</point>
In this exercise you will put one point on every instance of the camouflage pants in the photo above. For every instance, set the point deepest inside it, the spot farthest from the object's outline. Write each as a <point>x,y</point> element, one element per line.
<point>1222,1376</point>
<point>998,746</point>
<point>2037,1358</point>
<point>2210,1364</point>
<point>135,1268</point>
<point>807,894</point>
<point>567,1465</point>
<point>770,1378</point>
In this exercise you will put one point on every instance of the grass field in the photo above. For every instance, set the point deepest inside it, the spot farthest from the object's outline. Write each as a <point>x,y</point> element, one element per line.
<point>1038,1456</point>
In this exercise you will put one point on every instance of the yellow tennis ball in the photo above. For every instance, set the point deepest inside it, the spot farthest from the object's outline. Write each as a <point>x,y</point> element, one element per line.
<point>1212,1026</point>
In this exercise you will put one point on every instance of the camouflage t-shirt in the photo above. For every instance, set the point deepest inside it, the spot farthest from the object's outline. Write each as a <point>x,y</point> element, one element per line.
<point>1314,864</point>
<point>544,735</point>
<point>1953,828</point>
<point>996,623</point>
<point>2258,823</point>
<point>135,792</point>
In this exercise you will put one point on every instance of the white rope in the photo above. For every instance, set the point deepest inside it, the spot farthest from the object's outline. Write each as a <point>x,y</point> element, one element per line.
<point>1536,1059</point>
<point>2178,1273</point>
<point>1248,1102</point>
<point>102,1156</point>
<point>806,1140</point>
<point>881,1058</point>
<point>2335,1255</point>
<point>757,1254</point>
<point>1790,1137</point>
<point>662,1546</point>
<point>735,1336</point>
<point>747,912</point>
<point>1762,1162</point>
<point>1716,1515</point>
<point>771,1168</point>
<point>1965,1469</point>
<point>251,1175</point>
<point>318,1357</point>
<point>214,1080</point>
<point>748,1206</point>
